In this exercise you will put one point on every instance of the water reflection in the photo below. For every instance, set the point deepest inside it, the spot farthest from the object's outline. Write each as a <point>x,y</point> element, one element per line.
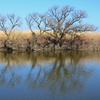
<point>58,72</point>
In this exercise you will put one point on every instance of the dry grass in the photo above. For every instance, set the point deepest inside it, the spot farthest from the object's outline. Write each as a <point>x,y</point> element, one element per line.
<point>92,38</point>
<point>95,35</point>
<point>27,34</point>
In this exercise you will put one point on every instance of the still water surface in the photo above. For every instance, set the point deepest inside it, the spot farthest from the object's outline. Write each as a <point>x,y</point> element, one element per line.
<point>59,75</point>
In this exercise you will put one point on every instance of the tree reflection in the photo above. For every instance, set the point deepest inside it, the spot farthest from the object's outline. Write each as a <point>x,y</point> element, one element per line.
<point>56,71</point>
<point>62,77</point>
<point>8,69</point>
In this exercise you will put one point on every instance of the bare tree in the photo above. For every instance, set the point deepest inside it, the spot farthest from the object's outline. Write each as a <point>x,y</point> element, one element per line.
<point>67,21</point>
<point>37,21</point>
<point>7,25</point>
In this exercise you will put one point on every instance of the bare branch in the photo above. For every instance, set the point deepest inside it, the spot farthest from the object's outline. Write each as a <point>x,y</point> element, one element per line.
<point>9,29</point>
<point>67,20</point>
<point>30,24</point>
<point>15,22</point>
<point>2,24</point>
<point>40,22</point>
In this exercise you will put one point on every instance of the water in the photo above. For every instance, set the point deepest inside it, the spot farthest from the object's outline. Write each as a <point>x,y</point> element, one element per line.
<point>49,75</point>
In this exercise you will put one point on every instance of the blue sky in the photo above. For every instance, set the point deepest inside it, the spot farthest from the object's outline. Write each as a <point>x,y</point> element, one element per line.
<point>23,7</point>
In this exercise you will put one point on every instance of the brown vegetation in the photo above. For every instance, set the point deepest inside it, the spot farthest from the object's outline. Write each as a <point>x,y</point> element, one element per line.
<point>45,42</point>
<point>7,25</point>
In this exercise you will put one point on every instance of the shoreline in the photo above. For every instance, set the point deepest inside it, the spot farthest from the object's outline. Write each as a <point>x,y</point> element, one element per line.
<point>49,49</point>
<point>85,41</point>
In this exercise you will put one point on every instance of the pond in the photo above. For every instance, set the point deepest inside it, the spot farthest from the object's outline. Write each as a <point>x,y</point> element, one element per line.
<point>50,75</point>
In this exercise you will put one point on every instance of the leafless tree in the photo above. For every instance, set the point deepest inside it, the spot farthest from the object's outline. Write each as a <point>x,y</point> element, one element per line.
<point>7,25</point>
<point>37,21</point>
<point>67,21</point>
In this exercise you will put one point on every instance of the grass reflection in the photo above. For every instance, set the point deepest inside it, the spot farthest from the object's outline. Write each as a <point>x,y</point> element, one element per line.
<point>56,71</point>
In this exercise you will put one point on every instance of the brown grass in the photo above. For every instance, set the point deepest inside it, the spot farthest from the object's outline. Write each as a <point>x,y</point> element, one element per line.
<point>92,38</point>
<point>25,34</point>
